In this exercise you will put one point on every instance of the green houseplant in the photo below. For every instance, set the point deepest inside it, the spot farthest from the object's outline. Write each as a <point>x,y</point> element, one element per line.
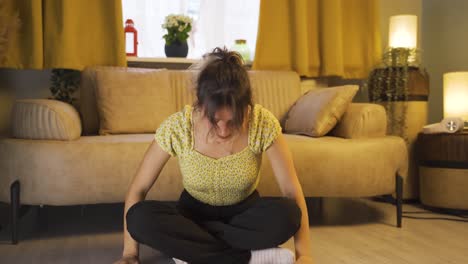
<point>178,28</point>
<point>401,86</point>
<point>64,85</point>
<point>389,83</point>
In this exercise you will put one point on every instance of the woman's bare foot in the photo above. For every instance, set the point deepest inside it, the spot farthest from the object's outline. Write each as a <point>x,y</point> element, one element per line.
<point>129,259</point>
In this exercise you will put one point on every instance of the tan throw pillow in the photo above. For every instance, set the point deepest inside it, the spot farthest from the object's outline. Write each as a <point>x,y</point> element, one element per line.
<point>132,100</point>
<point>318,111</point>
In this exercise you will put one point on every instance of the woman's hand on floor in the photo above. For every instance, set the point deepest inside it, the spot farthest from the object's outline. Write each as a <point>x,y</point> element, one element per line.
<point>129,259</point>
<point>304,260</point>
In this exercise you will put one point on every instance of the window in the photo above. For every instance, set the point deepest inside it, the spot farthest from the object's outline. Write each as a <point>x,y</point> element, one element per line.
<point>217,23</point>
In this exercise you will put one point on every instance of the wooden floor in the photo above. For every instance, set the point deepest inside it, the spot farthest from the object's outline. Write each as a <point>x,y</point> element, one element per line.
<point>345,231</point>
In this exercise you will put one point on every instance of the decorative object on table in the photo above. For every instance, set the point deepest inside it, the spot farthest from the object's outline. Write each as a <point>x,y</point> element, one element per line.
<point>178,28</point>
<point>447,125</point>
<point>131,38</point>
<point>9,26</point>
<point>455,105</point>
<point>456,95</point>
<point>402,87</point>
<point>240,46</point>
<point>64,85</point>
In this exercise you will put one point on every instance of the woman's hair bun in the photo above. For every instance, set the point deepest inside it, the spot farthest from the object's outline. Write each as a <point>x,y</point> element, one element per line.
<point>227,56</point>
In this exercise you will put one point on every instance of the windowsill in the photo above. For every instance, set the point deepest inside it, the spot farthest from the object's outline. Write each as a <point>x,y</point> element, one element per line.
<point>160,62</point>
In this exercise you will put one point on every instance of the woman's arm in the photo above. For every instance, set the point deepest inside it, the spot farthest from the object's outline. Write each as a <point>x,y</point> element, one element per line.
<point>153,162</point>
<point>285,173</point>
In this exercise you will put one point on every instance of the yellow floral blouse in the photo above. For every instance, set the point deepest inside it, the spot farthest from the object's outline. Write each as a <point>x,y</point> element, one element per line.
<point>223,181</point>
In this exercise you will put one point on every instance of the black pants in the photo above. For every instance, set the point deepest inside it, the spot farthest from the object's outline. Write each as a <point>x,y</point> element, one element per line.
<point>200,233</point>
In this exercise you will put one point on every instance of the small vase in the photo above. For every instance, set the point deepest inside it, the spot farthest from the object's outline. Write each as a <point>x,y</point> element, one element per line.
<point>241,47</point>
<point>176,49</point>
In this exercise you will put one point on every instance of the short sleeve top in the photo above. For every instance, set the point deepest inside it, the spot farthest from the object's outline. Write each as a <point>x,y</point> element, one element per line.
<point>218,181</point>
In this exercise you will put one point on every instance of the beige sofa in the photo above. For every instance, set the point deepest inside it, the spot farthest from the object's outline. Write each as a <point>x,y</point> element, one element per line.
<point>72,164</point>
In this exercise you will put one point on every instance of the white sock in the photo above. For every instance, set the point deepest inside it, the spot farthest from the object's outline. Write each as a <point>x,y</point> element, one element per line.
<point>264,256</point>
<point>178,261</point>
<point>272,256</point>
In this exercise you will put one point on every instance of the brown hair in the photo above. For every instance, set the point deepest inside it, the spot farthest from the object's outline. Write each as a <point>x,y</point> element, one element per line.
<point>223,82</point>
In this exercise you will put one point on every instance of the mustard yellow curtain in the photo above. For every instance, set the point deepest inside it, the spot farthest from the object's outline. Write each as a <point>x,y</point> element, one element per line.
<point>70,34</point>
<point>318,37</point>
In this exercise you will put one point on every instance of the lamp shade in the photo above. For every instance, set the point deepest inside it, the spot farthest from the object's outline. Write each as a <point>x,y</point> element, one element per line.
<point>403,31</point>
<point>456,95</point>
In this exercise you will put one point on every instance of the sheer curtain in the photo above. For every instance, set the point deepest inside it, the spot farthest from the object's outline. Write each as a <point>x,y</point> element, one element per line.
<point>217,23</point>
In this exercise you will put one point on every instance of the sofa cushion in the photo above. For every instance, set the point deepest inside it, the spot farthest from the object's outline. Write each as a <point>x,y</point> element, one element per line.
<point>45,119</point>
<point>132,100</point>
<point>275,90</point>
<point>337,167</point>
<point>317,112</point>
<point>361,120</point>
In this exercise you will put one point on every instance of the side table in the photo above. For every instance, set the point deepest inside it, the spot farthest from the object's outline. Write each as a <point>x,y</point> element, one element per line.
<point>443,170</point>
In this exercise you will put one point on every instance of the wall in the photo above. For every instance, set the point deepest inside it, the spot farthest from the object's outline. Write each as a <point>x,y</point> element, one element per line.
<point>445,41</point>
<point>20,84</point>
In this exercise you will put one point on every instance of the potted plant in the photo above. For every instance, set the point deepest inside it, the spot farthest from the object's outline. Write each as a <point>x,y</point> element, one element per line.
<point>178,28</point>
<point>64,85</point>
<point>395,82</point>
<point>401,86</point>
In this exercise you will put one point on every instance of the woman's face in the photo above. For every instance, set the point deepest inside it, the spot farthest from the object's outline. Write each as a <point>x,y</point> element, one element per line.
<point>223,119</point>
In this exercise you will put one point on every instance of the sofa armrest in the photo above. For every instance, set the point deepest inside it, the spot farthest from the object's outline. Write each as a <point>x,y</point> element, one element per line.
<point>45,119</point>
<point>362,120</point>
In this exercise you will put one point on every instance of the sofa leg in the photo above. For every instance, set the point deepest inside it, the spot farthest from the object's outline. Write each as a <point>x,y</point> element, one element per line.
<point>14,213</point>
<point>399,198</point>
<point>314,206</point>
